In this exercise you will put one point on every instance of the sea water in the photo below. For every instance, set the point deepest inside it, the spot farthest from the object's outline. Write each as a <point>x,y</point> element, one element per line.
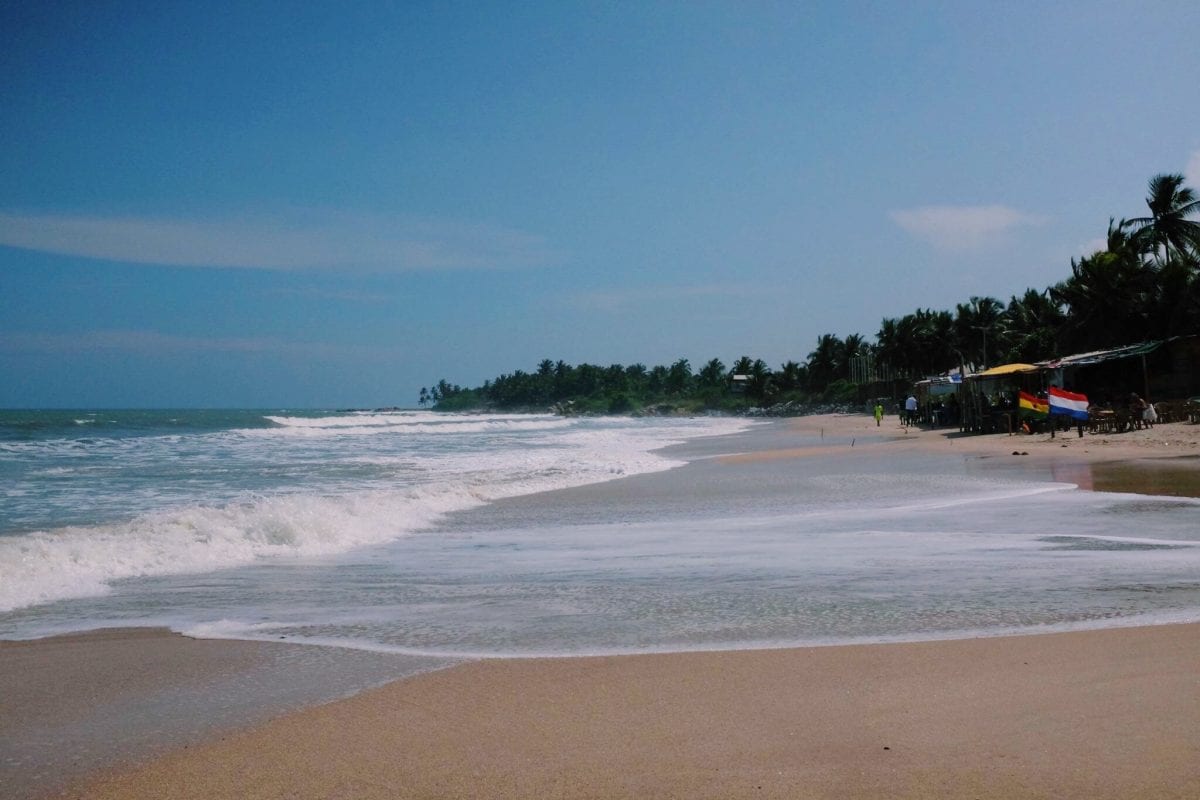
<point>461,535</point>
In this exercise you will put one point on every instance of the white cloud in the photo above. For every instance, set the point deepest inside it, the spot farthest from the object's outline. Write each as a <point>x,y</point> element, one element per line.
<point>1192,171</point>
<point>957,228</point>
<point>306,241</point>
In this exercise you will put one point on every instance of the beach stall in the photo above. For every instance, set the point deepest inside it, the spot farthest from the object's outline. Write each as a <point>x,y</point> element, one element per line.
<point>1163,370</point>
<point>990,400</point>
<point>937,399</point>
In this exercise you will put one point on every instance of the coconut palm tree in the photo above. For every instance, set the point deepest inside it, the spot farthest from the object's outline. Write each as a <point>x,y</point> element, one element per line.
<point>762,386</point>
<point>1168,226</point>
<point>1108,300</point>
<point>973,321</point>
<point>888,347</point>
<point>679,377</point>
<point>1028,328</point>
<point>824,361</point>
<point>712,374</point>
<point>853,346</point>
<point>742,366</point>
<point>790,376</point>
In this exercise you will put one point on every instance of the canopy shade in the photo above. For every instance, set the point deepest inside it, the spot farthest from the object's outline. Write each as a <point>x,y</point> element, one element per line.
<point>1006,369</point>
<point>1100,356</point>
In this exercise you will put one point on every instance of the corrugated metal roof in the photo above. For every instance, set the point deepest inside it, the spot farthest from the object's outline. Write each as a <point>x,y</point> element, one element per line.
<point>1100,356</point>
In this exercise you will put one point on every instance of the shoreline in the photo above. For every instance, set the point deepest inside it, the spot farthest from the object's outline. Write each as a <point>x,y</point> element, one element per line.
<point>1095,465</point>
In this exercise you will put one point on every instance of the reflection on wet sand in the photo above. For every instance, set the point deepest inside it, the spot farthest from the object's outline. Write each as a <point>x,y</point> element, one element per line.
<point>1175,477</point>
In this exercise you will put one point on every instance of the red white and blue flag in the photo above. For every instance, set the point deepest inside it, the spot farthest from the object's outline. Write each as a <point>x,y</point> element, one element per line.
<point>1067,404</point>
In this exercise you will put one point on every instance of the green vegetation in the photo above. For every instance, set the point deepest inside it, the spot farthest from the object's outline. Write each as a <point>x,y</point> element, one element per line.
<point>1144,285</point>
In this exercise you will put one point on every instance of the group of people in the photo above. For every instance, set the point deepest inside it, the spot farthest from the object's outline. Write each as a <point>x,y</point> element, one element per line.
<point>907,417</point>
<point>910,414</point>
<point>1141,413</point>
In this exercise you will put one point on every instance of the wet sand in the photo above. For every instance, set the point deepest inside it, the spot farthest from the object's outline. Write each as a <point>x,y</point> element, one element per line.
<point>1100,714</point>
<point>1108,713</point>
<point>71,705</point>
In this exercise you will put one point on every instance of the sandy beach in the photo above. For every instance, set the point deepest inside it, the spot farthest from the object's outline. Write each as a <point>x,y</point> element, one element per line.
<point>1164,441</point>
<point>1091,714</point>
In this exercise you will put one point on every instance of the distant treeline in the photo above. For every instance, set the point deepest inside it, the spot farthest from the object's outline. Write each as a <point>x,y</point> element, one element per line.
<point>1144,285</point>
<point>618,389</point>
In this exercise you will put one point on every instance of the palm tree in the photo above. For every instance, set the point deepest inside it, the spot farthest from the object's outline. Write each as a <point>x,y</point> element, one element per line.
<point>544,381</point>
<point>1108,300</point>
<point>921,343</point>
<point>1168,226</point>
<point>888,347</point>
<point>712,374</point>
<point>635,378</point>
<point>761,385</point>
<point>973,321</point>
<point>941,345</point>
<point>852,347</point>
<point>824,361</point>
<point>656,379</point>
<point>679,377</point>
<point>790,375</point>
<point>742,366</point>
<point>1029,327</point>
<point>615,380</point>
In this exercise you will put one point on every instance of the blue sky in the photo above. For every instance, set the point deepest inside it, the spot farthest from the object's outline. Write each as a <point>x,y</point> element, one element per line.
<point>334,204</point>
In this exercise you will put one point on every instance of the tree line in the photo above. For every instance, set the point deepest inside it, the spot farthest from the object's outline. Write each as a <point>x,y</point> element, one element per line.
<point>1144,285</point>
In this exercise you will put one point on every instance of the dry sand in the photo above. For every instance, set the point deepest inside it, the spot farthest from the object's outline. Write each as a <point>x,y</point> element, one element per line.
<point>1163,460</point>
<point>1171,440</point>
<point>1099,714</point>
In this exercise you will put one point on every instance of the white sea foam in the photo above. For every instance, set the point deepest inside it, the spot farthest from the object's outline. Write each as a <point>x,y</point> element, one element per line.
<point>411,428</point>
<point>419,422</point>
<point>298,521</point>
<point>80,562</point>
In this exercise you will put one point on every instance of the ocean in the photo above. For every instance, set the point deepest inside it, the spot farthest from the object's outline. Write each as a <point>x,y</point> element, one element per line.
<point>459,535</point>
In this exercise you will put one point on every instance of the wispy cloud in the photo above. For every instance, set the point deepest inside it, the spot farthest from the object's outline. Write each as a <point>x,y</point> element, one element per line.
<point>154,343</point>
<point>305,241</point>
<point>1192,171</point>
<point>958,228</point>
<point>611,300</point>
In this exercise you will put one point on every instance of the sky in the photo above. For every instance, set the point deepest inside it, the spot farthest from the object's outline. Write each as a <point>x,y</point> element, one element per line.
<point>280,204</point>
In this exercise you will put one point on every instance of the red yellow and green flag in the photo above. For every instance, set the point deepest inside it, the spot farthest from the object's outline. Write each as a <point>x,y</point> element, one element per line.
<point>1033,406</point>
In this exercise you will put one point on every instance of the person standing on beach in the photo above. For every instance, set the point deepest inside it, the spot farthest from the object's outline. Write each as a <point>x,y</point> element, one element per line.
<point>878,413</point>
<point>1137,407</point>
<point>910,410</point>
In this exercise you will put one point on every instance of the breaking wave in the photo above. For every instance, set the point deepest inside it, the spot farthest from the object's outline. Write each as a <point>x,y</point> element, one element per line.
<point>332,514</point>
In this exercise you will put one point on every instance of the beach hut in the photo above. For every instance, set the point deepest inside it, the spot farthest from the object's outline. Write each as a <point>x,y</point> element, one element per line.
<point>989,398</point>
<point>1164,369</point>
<point>937,398</point>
